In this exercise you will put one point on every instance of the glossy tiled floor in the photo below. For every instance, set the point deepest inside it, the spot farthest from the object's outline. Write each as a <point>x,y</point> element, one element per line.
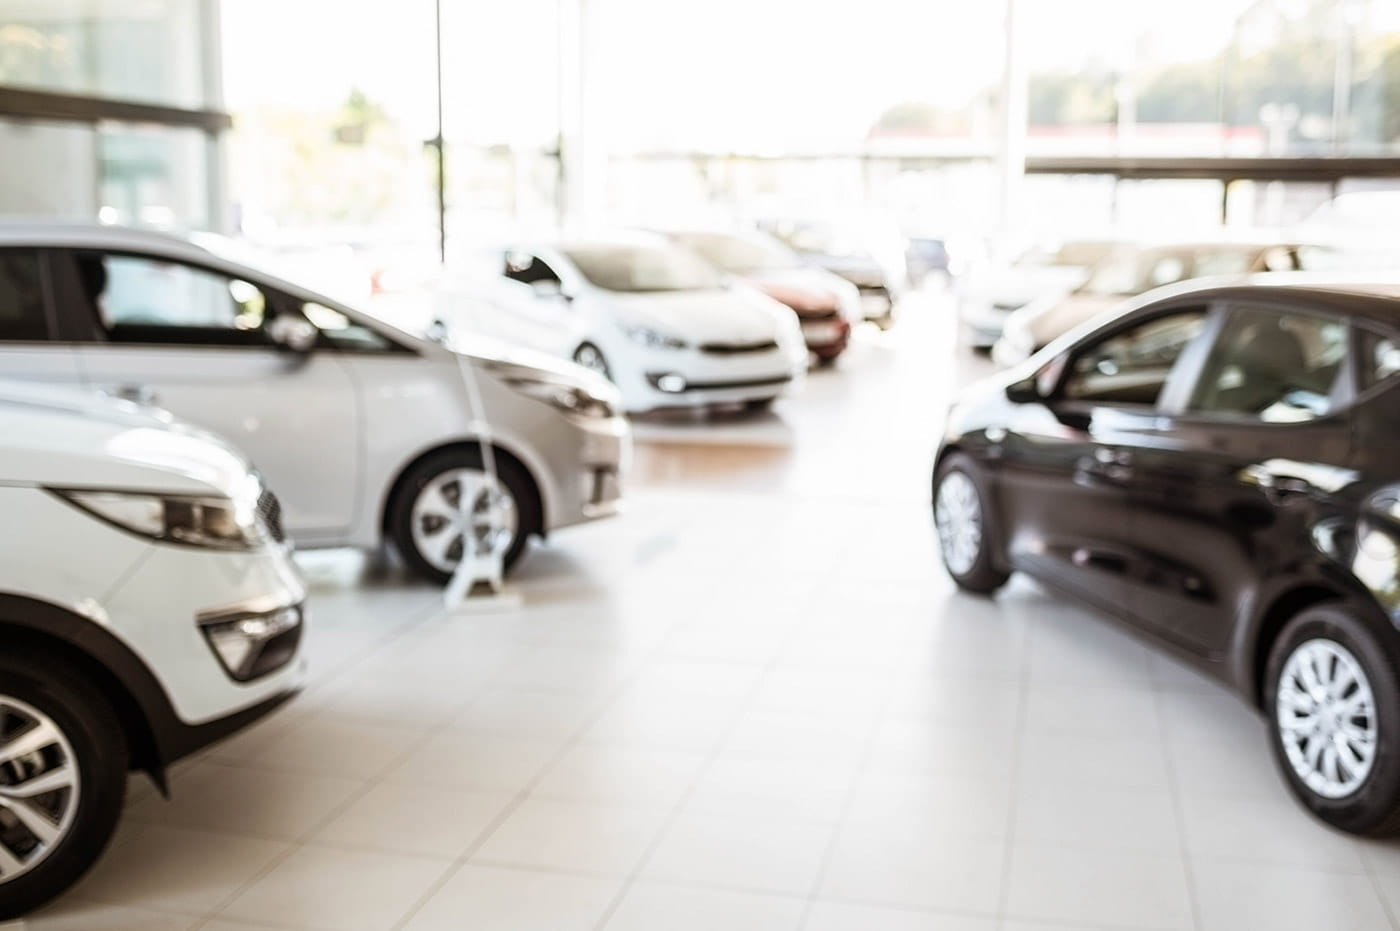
<point>754,702</point>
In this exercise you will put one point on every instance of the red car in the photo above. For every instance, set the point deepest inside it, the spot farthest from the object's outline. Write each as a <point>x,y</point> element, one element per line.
<point>827,305</point>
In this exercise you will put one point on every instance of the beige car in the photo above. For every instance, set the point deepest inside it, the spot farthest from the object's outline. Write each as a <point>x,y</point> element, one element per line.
<point>1132,269</point>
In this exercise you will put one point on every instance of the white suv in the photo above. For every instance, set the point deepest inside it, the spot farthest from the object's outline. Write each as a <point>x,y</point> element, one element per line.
<point>365,431</point>
<point>148,606</point>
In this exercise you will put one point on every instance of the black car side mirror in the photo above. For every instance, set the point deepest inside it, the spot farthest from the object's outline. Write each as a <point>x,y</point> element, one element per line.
<point>1025,391</point>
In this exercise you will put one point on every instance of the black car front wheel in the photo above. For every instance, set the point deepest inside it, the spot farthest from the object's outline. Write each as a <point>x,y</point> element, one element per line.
<point>63,768</point>
<point>1333,700</point>
<point>966,532</point>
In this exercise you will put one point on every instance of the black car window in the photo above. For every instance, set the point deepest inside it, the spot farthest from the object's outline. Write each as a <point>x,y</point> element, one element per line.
<point>1275,367</point>
<point>1132,366</point>
<point>527,268</point>
<point>21,297</point>
<point>1380,358</point>
<point>144,299</point>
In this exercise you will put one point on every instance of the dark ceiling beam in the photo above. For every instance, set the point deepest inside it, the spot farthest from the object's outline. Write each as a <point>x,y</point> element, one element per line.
<point>25,104</point>
<point>1323,169</point>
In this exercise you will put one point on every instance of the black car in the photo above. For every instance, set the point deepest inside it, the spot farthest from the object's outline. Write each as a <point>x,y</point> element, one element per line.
<point>1219,467</point>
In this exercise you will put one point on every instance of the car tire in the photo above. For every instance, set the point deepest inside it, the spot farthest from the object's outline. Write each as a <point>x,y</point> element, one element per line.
<point>416,526</point>
<point>591,357</point>
<point>966,529</point>
<point>1359,690</point>
<point>72,725</point>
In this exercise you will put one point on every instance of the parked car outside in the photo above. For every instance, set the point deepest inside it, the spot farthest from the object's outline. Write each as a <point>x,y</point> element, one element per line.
<point>652,317</point>
<point>1132,269</point>
<point>368,432</point>
<point>1219,467</point>
<point>989,295</point>
<point>842,251</point>
<point>827,305</point>
<point>148,606</point>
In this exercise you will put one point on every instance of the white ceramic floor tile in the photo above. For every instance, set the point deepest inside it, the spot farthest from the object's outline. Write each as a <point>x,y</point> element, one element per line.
<point>1281,898</point>
<point>1099,818</point>
<point>836,916</point>
<point>73,915</point>
<point>415,819</point>
<point>650,906</point>
<point>893,865</point>
<point>515,900</point>
<point>1095,711</point>
<point>330,746</point>
<point>1088,888</point>
<point>337,889</point>
<point>1264,830</point>
<point>254,802</point>
<point>1128,762</point>
<point>743,853</point>
<point>581,838</point>
<point>175,869</point>
<point>784,788</point>
<point>621,775</point>
<point>479,762</point>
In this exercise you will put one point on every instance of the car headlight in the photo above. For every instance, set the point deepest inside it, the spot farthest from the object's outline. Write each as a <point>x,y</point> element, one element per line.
<point>570,399</point>
<point>652,339</point>
<point>192,520</point>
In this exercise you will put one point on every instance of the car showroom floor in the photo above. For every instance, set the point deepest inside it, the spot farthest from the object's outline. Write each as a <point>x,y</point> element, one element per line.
<point>753,702</point>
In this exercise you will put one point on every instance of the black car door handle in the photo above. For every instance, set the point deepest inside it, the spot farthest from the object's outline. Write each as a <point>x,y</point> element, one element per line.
<point>1107,468</point>
<point>1278,487</point>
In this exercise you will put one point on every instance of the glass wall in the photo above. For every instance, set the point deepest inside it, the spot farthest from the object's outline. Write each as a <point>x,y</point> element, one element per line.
<point>159,52</point>
<point>148,51</point>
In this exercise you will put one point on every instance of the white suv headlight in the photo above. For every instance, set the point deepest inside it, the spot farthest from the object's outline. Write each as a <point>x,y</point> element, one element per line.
<point>571,399</point>
<point>192,520</point>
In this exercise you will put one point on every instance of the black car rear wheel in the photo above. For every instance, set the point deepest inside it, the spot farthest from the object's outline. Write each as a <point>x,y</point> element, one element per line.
<point>966,529</point>
<point>1333,701</point>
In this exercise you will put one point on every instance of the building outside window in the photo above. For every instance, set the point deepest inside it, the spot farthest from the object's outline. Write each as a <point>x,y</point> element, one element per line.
<point>113,111</point>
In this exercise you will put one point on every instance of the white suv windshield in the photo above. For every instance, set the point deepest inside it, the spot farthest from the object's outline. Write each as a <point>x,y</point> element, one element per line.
<point>644,268</point>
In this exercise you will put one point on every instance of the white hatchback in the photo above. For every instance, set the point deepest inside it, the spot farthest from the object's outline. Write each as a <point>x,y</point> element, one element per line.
<point>366,431</point>
<point>658,321</point>
<point>148,606</point>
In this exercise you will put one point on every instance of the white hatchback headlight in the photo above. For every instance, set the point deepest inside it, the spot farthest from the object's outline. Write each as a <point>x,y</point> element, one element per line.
<point>192,520</point>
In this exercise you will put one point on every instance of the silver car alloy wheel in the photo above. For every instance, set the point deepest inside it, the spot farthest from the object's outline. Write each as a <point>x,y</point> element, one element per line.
<point>957,514</point>
<point>39,787</point>
<point>1326,716</point>
<point>458,502</point>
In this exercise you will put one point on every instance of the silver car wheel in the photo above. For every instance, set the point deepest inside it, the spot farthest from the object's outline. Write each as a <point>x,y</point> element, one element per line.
<point>958,515</point>
<point>1326,717</point>
<point>458,502</point>
<point>39,787</point>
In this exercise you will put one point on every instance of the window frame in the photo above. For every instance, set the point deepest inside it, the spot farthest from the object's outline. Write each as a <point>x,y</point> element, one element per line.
<point>77,317</point>
<point>1359,328</point>
<point>47,304</point>
<point>1225,308</point>
<point>1186,364</point>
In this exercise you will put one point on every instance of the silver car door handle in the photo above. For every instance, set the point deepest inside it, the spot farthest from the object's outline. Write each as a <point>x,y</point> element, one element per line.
<point>137,394</point>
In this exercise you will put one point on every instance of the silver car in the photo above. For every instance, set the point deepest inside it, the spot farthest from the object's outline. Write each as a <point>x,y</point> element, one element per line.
<point>368,432</point>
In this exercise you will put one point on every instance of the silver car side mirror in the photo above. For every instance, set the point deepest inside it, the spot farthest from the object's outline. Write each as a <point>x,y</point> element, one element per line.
<point>293,332</point>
